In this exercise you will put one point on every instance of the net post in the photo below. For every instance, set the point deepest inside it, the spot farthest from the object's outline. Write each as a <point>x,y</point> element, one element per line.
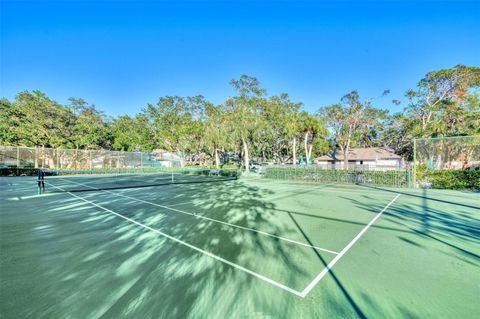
<point>118,162</point>
<point>18,159</point>
<point>43,156</point>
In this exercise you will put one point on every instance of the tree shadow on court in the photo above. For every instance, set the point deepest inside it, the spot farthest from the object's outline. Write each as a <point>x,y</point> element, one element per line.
<point>199,279</point>
<point>84,261</point>
<point>457,230</point>
<point>341,220</point>
<point>448,223</point>
<point>78,259</point>
<point>358,311</point>
<point>425,196</point>
<point>438,227</point>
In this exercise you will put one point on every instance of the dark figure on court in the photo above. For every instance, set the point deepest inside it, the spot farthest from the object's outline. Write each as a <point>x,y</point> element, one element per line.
<point>41,179</point>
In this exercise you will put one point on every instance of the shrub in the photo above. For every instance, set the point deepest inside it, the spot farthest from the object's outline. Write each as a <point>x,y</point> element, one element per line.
<point>451,179</point>
<point>315,175</point>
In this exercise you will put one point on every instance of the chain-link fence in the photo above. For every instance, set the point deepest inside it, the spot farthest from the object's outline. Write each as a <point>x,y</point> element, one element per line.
<point>55,158</point>
<point>451,153</point>
<point>396,178</point>
<point>447,162</point>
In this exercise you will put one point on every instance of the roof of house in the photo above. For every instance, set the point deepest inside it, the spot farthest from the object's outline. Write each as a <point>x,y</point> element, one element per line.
<point>370,153</point>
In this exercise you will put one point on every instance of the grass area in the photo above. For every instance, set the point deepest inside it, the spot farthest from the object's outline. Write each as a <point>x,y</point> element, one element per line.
<point>240,248</point>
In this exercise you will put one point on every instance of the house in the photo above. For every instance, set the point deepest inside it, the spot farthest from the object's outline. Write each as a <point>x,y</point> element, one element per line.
<point>362,158</point>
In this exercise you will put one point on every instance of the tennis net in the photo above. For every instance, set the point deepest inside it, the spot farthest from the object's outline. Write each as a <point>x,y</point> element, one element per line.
<point>95,180</point>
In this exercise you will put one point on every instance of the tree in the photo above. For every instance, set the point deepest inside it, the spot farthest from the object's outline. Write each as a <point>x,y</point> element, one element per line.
<point>8,123</point>
<point>216,135</point>
<point>176,122</point>
<point>89,130</point>
<point>370,133</point>
<point>36,120</point>
<point>435,104</point>
<point>445,103</point>
<point>132,134</point>
<point>347,119</point>
<point>282,117</point>
<point>244,111</point>
<point>312,129</point>
<point>398,135</point>
<point>293,127</point>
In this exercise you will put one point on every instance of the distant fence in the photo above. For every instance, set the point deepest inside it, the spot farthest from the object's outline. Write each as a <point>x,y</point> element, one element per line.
<point>396,178</point>
<point>447,162</point>
<point>351,167</point>
<point>12,157</point>
<point>440,153</point>
<point>360,167</point>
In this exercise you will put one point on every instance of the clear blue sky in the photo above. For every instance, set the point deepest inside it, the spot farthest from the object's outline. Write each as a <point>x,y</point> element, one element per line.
<point>121,55</point>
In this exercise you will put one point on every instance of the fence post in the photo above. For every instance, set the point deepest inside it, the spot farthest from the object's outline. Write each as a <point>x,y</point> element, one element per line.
<point>414,168</point>
<point>18,159</point>
<point>43,156</point>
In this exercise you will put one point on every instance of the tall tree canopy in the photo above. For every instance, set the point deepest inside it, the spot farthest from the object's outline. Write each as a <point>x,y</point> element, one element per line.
<point>250,124</point>
<point>244,109</point>
<point>176,122</point>
<point>353,122</point>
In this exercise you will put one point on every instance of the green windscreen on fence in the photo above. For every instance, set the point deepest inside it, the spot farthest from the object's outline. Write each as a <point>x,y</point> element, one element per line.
<point>397,178</point>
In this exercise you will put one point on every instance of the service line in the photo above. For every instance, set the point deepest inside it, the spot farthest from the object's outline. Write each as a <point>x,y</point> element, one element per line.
<point>212,219</point>
<point>344,250</point>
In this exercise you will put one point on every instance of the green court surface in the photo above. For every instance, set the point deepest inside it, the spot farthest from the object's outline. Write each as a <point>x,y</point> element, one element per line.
<point>247,248</point>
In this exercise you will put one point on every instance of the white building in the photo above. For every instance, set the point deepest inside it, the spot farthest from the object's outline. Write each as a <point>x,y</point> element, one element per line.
<point>378,158</point>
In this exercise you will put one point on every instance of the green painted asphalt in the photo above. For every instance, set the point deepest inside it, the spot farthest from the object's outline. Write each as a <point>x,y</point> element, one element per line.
<point>216,250</point>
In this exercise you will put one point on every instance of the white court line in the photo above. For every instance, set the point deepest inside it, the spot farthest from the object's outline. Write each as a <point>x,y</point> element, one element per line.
<point>212,219</point>
<point>183,203</point>
<point>326,189</point>
<point>344,250</point>
<point>266,279</point>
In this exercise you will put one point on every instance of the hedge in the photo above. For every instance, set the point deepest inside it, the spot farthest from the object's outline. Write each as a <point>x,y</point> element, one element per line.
<point>451,179</point>
<point>315,175</point>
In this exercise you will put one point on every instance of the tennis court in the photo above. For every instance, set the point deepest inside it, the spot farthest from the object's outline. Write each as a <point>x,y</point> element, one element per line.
<point>228,248</point>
